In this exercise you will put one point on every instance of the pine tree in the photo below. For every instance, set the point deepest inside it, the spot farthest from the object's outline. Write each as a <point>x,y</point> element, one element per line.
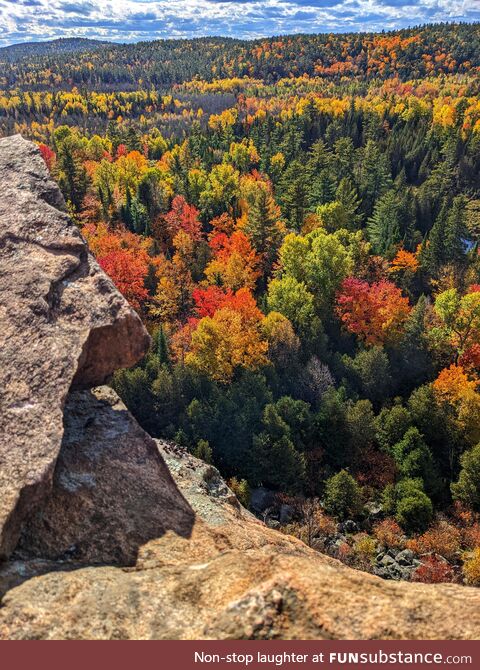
<point>135,216</point>
<point>347,195</point>
<point>133,140</point>
<point>446,242</point>
<point>72,175</point>
<point>373,175</point>
<point>293,194</point>
<point>320,175</point>
<point>161,347</point>
<point>385,226</point>
<point>344,158</point>
<point>126,211</point>
<point>264,228</point>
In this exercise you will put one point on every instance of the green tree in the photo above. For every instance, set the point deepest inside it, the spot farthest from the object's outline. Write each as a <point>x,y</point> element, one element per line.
<point>447,236</point>
<point>263,227</point>
<point>385,226</point>
<point>369,372</point>
<point>320,260</point>
<point>343,496</point>
<point>391,424</point>
<point>293,194</point>
<point>292,299</point>
<point>413,508</point>
<point>333,216</point>
<point>278,461</point>
<point>414,460</point>
<point>467,488</point>
<point>347,195</point>
<point>70,171</point>
<point>373,175</point>
<point>203,451</point>
<point>277,464</point>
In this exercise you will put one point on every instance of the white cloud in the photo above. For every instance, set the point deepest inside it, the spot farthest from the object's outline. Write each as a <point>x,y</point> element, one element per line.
<point>130,20</point>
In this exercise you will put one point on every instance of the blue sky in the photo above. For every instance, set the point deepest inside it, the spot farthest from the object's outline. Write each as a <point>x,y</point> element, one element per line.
<point>133,20</point>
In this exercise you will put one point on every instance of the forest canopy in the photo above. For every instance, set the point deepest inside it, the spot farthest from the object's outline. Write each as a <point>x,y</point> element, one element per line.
<point>297,221</point>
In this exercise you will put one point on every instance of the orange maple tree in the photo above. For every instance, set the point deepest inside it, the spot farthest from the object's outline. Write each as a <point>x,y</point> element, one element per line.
<point>235,263</point>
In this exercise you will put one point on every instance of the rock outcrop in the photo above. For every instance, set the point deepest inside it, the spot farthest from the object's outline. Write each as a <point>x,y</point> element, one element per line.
<point>63,323</point>
<point>82,484</point>
<point>111,491</point>
<point>233,578</point>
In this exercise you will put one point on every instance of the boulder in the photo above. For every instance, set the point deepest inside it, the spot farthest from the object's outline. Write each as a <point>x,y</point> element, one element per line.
<point>261,499</point>
<point>395,564</point>
<point>63,323</point>
<point>405,557</point>
<point>349,526</point>
<point>111,489</point>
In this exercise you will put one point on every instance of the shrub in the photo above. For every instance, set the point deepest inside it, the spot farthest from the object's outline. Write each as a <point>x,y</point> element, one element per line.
<point>465,516</point>
<point>203,451</point>
<point>443,539</point>
<point>471,568</point>
<point>326,525</point>
<point>389,534</point>
<point>414,511</point>
<point>344,552</point>
<point>241,490</point>
<point>365,547</point>
<point>343,496</point>
<point>314,525</point>
<point>471,536</point>
<point>433,571</point>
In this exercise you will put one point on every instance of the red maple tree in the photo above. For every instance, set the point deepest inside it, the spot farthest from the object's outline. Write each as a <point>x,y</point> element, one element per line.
<point>374,312</point>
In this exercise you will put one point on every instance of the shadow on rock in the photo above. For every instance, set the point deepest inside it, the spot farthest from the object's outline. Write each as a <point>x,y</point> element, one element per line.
<point>112,491</point>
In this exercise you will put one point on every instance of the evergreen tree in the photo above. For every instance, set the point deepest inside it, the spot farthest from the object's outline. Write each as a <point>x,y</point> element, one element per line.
<point>263,227</point>
<point>467,489</point>
<point>347,195</point>
<point>72,175</point>
<point>446,242</point>
<point>161,347</point>
<point>385,226</point>
<point>373,175</point>
<point>203,451</point>
<point>293,194</point>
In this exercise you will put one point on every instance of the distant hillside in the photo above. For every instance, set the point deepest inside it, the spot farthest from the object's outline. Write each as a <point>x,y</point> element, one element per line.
<point>69,45</point>
<point>429,50</point>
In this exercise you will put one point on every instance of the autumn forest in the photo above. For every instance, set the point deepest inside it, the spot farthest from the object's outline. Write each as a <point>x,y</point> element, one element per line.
<point>297,221</point>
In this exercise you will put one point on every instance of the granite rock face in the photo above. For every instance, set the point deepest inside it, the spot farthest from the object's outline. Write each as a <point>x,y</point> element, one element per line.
<point>63,324</point>
<point>233,578</point>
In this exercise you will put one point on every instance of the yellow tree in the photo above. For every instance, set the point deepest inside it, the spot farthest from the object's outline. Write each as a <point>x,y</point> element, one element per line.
<point>230,339</point>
